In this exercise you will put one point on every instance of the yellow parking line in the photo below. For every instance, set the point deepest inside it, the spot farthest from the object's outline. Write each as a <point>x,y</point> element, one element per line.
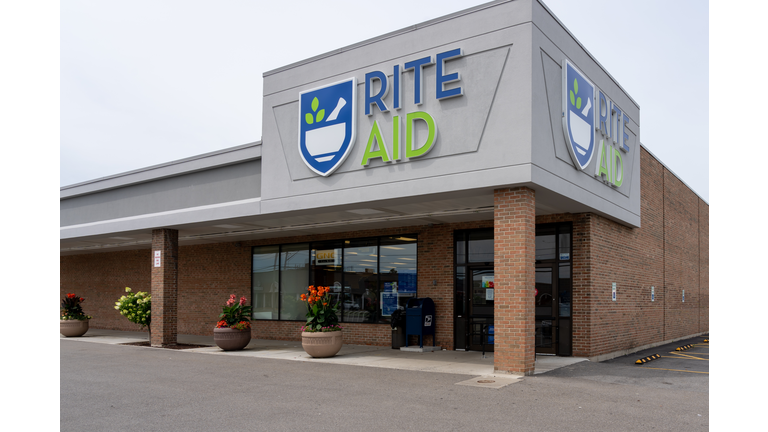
<point>686,356</point>
<point>675,370</point>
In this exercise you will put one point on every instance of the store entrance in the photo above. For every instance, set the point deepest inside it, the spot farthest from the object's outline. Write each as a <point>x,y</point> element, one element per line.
<point>474,290</point>
<point>553,294</point>
<point>546,314</point>
<point>480,307</point>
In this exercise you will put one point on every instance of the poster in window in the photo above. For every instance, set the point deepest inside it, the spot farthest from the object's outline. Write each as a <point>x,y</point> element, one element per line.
<point>406,283</point>
<point>389,298</point>
<point>488,285</point>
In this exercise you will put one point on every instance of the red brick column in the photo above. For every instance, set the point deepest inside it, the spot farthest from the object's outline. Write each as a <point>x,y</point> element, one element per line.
<point>165,252</point>
<point>514,263</point>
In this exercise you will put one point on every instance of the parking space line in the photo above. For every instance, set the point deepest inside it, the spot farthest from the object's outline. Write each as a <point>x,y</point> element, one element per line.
<point>675,370</point>
<point>685,356</point>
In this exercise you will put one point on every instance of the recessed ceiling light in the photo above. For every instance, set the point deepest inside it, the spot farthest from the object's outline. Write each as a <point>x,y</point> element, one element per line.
<point>406,239</point>
<point>392,247</point>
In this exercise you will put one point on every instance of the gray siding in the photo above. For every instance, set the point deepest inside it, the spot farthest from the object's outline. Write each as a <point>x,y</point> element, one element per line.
<point>213,186</point>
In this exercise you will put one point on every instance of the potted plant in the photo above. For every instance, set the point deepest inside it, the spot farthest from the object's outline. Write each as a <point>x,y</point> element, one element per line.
<point>73,322</point>
<point>233,331</point>
<point>322,334</point>
<point>137,308</point>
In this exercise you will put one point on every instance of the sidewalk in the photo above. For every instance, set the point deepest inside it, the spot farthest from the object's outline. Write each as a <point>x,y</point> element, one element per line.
<point>454,362</point>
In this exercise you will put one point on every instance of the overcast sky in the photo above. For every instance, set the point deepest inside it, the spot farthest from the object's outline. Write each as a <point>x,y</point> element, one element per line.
<point>147,82</point>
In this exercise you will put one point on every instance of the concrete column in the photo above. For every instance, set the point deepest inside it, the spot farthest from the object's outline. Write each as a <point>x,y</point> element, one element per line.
<point>514,263</point>
<point>165,252</point>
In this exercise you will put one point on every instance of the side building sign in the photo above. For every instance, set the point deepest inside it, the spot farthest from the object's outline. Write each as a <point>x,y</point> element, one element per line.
<point>588,115</point>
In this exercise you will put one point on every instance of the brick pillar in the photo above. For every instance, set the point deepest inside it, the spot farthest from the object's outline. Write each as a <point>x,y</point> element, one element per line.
<point>514,265</point>
<point>165,252</point>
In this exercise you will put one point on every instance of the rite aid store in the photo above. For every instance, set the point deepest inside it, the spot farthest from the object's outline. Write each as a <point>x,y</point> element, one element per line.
<point>483,159</point>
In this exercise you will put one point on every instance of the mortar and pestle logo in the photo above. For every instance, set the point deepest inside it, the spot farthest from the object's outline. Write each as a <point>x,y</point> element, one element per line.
<point>325,141</point>
<point>581,130</point>
<point>578,115</point>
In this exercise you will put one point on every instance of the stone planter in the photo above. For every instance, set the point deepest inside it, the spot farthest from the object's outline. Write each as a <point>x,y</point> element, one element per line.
<point>73,328</point>
<point>320,345</point>
<point>230,339</point>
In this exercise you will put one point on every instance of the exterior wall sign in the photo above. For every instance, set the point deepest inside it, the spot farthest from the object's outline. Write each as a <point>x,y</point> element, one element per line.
<point>589,116</point>
<point>327,125</point>
<point>327,115</point>
<point>157,258</point>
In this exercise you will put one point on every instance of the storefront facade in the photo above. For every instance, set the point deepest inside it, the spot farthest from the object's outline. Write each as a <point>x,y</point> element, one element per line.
<point>483,159</point>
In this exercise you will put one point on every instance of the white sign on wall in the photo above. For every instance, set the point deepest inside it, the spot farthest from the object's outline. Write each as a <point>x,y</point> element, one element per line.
<point>157,258</point>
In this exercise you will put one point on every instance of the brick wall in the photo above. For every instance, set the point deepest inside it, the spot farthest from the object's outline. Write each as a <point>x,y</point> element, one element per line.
<point>670,252</point>
<point>101,279</point>
<point>514,280</point>
<point>209,273</point>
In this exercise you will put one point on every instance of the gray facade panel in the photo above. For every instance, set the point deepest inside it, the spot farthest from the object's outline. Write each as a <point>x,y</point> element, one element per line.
<point>479,133</point>
<point>213,186</point>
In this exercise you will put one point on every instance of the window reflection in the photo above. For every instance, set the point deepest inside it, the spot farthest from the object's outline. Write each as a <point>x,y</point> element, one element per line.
<point>293,279</point>
<point>369,278</point>
<point>398,275</point>
<point>326,268</point>
<point>481,245</point>
<point>265,280</point>
<point>360,300</point>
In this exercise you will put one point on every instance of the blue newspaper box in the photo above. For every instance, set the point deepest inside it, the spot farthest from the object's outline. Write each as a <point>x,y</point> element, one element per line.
<point>420,319</point>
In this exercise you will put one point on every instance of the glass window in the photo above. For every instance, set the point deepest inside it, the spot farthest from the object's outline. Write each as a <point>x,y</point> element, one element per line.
<point>294,273</point>
<point>461,248</point>
<point>481,245</point>
<point>361,279</point>
<point>397,262</point>
<point>545,246</point>
<point>265,282</point>
<point>326,268</point>
<point>369,278</point>
<point>459,302</point>
<point>565,244</point>
<point>564,290</point>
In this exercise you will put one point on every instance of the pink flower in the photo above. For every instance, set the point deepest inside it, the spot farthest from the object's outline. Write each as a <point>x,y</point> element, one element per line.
<point>242,301</point>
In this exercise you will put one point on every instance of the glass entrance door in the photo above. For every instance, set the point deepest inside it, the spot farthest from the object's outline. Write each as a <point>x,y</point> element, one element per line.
<point>480,307</point>
<point>546,313</point>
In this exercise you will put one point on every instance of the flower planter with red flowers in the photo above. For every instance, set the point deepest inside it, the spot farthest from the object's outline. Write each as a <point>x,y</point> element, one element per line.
<point>322,335</point>
<point>73,322</point>
<point>233,331</point>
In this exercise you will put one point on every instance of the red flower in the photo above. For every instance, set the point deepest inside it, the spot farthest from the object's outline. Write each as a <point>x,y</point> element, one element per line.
<point>71,296</point>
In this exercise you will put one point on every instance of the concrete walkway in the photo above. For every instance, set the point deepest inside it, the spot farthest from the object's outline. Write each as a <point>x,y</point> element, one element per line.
<point>454,362</point>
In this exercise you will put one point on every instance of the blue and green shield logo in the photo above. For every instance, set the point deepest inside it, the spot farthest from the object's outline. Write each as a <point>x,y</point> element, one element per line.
<point>327,125</point>
<point>578,115</point>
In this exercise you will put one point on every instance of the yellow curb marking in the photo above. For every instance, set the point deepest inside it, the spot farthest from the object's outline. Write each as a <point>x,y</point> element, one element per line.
<point>676,370</point>
<point>686,356</point>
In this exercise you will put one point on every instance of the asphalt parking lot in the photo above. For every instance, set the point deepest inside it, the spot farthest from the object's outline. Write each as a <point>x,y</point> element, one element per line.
<point>113,387</point>
<point>683,370</point>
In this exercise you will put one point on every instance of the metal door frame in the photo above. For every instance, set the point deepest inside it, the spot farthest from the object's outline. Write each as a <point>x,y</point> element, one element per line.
<point>555,318</point>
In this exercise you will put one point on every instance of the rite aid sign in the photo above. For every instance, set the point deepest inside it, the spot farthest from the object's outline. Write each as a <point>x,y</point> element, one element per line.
<point>327,115</point>
<point>589,116</point>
